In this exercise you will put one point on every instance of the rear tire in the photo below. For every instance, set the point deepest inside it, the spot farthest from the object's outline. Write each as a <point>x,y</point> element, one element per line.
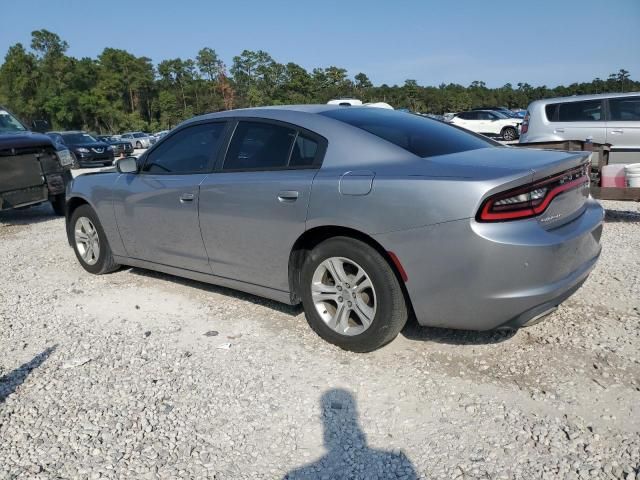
<point>509,134</point>
<point>58,204</point>
<point>346,311</point>
<point>87,237</point>
<point>138,145</point>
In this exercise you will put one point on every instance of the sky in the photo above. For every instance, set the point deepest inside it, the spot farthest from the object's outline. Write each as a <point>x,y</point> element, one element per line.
<point>540,42</point>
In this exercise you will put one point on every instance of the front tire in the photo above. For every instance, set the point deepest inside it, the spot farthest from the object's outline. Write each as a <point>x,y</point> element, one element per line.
<point>509,134</point>
<point>138,145</point>
<point>351,296</point>
<point>90,242</point>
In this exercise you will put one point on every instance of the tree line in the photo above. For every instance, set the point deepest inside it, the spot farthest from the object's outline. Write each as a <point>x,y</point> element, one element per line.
<point>119,91</point>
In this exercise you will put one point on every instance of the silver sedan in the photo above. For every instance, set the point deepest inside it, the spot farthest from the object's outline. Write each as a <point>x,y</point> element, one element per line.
<point>365,216</point>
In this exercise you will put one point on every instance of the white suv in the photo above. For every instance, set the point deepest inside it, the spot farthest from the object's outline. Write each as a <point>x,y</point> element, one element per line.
<point>488,122</point>
<point>604,118</point>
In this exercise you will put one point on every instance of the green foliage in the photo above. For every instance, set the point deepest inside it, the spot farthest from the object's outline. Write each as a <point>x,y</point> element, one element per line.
<point>118,91</point>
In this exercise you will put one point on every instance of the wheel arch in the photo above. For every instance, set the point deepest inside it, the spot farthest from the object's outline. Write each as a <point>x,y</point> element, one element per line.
<point>72,205</point>
<point>314,236</point>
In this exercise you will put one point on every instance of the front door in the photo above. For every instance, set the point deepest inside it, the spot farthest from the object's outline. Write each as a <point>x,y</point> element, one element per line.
<point>254,207</point>
<point>581,120</point>
<point>623,129</point>
<point>157,208</point>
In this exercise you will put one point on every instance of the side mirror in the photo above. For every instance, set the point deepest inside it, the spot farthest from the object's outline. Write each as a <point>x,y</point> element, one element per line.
<point>127,165</point>
<point>40,126</point>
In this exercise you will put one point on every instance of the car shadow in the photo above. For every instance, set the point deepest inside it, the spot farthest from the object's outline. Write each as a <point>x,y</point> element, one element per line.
<point>624,216</point>
<point>27,216</point>
<point>413,331</point>
<point>292,310</point>
<point>347,453</point>
<point>12,380</point>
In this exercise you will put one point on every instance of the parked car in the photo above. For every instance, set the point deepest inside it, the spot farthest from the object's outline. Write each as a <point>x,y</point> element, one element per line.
<point>490,123</point>
<point>160,134</point>
<point>119,146</point>
<point>87,151</point>
<point>503,110</point>
<point>604,118</point>
<point>361,214</point>
<point>139,139</point>
<point>32,169</point>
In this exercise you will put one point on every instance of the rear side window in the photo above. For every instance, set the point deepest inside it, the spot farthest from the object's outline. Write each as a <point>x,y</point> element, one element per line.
<point>304,152</point>
<point>550,111</point>
<point>625,109</point>
<point>259,146</point>
<point>587,111</point>
<point>421,136</point>
<point>189,150</point>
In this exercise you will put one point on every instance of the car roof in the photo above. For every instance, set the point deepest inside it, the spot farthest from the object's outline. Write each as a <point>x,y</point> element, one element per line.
<point>63,132</point>
<point>595,96</point>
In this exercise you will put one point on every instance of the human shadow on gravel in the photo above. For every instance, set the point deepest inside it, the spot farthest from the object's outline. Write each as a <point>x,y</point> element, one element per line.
<point>293,310</point>
<point>348,455</point>
<point>15,378</point>
<point>413,331</point>
<point>622,216</point>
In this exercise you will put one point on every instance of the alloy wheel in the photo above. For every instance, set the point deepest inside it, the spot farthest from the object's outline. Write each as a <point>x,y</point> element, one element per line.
<point>344,296</point>
<point>509,134</point>
<point>87,240</point>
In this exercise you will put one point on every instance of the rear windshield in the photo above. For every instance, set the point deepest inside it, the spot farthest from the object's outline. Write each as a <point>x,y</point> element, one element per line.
<point>421,136</point>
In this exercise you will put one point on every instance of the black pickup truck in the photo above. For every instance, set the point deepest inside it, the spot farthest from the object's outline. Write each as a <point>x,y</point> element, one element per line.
<point>33,169</point>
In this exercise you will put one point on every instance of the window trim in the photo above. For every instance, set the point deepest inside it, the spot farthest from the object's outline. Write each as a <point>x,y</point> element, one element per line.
<point>211,161</point>
<point>317,161</point>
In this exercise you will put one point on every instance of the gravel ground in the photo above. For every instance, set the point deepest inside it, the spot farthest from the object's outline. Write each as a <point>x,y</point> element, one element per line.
<point>144,375</point>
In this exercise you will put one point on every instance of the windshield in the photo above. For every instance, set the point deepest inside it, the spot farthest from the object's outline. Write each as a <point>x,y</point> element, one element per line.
<point>78,138</point>
<point>139,135</point>
<point>8,123</point>
<point>501,114</point>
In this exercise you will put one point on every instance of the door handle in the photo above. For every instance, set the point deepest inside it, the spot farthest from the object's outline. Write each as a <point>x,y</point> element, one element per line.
<point>288,196</point>
<point>187,197</point>
<point>559,130</point>
<point>620,132</point>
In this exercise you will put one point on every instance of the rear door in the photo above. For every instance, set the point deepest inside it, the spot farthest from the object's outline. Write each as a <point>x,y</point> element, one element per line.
<point>157,208</point>
<point>254,207</point>
<point>580,120</point>
<point>623,129</point>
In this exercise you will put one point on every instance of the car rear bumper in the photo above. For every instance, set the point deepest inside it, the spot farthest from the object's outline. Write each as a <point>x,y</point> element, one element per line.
<point>481,276</point>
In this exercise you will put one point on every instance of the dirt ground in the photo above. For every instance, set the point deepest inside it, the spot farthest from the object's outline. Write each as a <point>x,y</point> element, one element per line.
<point>143,375</point>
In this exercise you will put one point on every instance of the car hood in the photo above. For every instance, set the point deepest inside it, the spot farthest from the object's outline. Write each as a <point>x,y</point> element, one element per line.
<point>88,145</point>
<point>24,140</point>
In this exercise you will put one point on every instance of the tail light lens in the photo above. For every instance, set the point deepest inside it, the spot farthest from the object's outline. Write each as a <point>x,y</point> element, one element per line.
<point>533,199</point>
<point>524,128</point>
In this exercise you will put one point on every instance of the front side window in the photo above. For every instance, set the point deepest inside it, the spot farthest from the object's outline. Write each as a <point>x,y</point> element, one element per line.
<point>587,111</point>
<point>259,146</point>
<point>189,150</point>
<point>624,109</point>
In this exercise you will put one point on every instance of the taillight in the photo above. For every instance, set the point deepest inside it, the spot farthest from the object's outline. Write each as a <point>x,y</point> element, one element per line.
<point>533,199</point>
<point>525,124</point>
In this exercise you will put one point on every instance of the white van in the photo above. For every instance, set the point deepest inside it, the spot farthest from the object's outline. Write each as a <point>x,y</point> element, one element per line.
<point>605,118</point>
